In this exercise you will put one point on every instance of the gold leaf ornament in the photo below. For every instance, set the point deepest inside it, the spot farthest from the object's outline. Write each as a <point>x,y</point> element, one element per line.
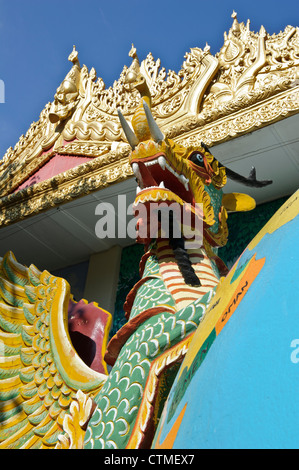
<point>74,424</point>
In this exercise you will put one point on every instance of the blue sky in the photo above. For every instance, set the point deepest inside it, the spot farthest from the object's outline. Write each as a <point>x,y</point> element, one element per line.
<point>36,37</point>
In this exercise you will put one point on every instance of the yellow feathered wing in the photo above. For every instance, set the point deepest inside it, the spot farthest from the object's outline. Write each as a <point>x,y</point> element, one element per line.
<point>40,371</point>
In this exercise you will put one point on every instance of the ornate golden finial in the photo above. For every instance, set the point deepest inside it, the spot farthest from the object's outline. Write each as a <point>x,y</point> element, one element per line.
<point>133,53</point>
<point>134,69</point>
<point>73,57</point>
<point>135,79</point>
<point>235,29</point>
<point>207,48</point>
<point>67,93</point>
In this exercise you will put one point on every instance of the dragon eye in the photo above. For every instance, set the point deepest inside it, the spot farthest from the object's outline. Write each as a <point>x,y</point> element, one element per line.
<point>197,158</point>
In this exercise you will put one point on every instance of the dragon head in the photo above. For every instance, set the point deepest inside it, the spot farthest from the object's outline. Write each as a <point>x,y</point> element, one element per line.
<point>188,177</point>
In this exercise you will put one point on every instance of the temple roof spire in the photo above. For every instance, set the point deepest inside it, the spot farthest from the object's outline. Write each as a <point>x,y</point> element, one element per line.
<point>235,26</point>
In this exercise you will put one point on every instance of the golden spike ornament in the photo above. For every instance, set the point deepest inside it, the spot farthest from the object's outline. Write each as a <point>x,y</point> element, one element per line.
<point>136,80</point>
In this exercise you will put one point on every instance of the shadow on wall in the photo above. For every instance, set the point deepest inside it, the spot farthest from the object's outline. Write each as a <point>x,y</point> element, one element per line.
<point>76,277</point>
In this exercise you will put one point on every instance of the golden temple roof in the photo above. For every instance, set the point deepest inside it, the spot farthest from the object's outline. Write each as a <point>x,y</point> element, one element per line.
<point>252,82</point>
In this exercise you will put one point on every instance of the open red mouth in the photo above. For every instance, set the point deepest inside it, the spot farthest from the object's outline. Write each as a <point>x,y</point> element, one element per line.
<point>158,182</point>
<point>156,172</point>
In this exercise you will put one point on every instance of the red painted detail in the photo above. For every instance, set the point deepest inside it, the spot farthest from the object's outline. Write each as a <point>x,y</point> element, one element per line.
<point>56,165</point>
<point>88,328</point>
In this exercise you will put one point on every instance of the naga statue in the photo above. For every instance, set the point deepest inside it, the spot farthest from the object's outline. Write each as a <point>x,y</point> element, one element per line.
<point>54,395</point>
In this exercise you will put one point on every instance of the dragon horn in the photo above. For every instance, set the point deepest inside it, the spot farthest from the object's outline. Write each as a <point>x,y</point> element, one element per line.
<point>251,181</point>
<point>156,134</point>
<point>130,135</point>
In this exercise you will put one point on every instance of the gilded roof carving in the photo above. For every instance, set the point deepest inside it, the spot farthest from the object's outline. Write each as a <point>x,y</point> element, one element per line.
<point>251,82</point>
